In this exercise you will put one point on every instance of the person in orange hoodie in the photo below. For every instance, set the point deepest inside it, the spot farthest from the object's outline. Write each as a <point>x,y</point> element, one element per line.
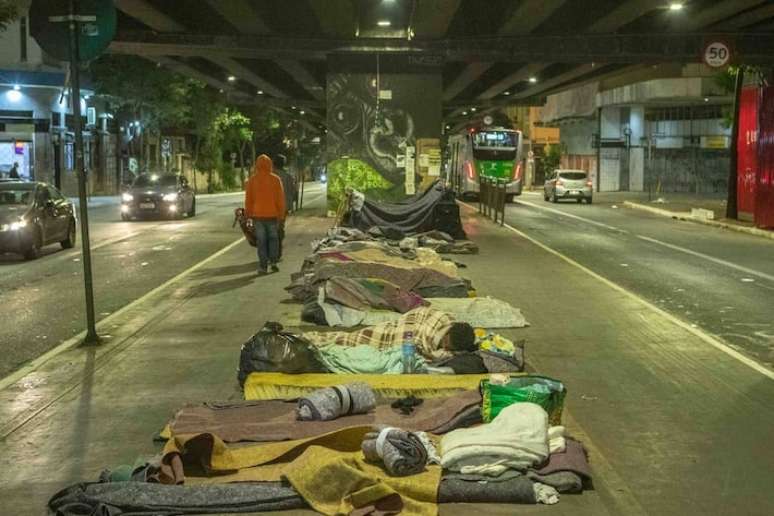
<point>265,205</point>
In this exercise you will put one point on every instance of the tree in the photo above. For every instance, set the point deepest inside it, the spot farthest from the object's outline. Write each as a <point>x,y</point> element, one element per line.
<point>139,91</point>
<point>9,10</point>
<point>235,133</point>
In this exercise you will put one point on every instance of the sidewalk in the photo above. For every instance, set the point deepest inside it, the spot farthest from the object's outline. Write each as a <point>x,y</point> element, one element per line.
<point>654,404</point>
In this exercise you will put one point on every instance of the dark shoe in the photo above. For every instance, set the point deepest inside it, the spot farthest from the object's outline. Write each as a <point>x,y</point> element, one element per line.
<point>274,267</point>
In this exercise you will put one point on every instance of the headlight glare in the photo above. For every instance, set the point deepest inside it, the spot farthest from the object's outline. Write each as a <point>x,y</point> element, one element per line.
<point>170,197</point>
<point>127,197</point>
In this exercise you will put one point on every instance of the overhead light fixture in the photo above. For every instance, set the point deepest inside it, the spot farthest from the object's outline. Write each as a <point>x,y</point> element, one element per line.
<point>706,99</point>
<point>16,87</point>
<point>448,127</point>
<point>464,112</point>
<point>533,80</point>
<point>301,112</point>
<point>675,6</point>
<point>13,95</point>
<point>292,107</point>
<point>506,93</point>
<point>260,92</point>
<point>231,78</point>
<point>383,23</point>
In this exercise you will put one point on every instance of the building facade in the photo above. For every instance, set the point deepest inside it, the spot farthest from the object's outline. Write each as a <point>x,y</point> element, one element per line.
<point>661,135</point>
<point>36,119</point>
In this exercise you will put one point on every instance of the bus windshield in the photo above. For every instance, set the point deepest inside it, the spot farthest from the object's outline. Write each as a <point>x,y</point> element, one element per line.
<point>495,145</point>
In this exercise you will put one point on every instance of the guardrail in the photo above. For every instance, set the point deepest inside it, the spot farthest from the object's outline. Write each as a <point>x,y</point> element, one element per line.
<point>491,198</point>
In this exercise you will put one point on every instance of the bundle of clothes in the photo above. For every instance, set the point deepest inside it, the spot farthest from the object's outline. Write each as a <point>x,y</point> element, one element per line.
<point>344,450</point>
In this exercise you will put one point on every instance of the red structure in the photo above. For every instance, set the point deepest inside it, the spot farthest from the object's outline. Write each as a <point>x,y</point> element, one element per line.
<point>764,185</point>
<point>747,150</point>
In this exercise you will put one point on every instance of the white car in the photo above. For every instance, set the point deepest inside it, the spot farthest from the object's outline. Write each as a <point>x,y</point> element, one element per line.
<point>568,184</point>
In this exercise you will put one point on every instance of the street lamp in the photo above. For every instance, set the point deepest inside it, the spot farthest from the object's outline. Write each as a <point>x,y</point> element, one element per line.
<point>533,80</point>
<point>676,6</point>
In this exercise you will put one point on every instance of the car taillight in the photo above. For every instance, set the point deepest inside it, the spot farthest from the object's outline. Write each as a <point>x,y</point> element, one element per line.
<point>469,170</point>
<point>517,171</point>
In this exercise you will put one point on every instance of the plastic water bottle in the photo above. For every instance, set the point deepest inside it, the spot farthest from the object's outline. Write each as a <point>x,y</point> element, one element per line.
<point>408,353</point>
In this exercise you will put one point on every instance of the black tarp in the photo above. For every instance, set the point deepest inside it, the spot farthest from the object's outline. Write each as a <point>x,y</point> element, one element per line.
<point>433,209</point>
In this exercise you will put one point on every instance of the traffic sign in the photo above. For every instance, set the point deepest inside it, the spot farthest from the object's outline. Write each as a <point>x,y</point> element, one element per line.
<point>49,25</point>
<point>717,54</point>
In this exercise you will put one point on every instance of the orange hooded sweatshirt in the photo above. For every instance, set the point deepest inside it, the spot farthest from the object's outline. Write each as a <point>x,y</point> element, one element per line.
<point>264,198</point>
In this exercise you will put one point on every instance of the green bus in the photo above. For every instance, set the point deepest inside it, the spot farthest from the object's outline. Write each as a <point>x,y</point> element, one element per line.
<point>493,152</point>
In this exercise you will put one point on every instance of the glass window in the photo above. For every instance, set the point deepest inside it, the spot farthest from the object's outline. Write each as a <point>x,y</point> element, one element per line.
<point>15,194</point>
<point>575,175</point>
<point>153,180</point>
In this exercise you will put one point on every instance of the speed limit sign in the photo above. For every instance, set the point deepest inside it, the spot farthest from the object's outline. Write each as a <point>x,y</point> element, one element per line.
<point>717,54</point>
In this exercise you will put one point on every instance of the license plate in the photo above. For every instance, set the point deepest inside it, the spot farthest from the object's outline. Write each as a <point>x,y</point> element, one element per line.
<point>147,206</point>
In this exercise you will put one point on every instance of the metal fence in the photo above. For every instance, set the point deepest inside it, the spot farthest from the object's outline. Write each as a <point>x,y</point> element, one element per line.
<point>491,198</point>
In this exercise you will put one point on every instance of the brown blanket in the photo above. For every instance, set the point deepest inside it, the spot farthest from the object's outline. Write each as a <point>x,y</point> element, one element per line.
<point>275,420</point>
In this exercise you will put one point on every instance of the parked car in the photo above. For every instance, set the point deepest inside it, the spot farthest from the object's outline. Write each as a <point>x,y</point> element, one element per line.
<point>568,184</point>
<point>159,196</point>
<point>33,215</point>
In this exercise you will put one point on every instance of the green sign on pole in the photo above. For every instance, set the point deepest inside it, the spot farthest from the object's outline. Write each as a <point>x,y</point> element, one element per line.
<point>96,22</point>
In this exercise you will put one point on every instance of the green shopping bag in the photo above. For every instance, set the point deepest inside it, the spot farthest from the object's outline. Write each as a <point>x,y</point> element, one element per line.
<point>541,390</point>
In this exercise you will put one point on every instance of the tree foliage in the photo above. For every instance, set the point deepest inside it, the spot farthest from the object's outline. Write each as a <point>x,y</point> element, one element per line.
<point>9,10</point>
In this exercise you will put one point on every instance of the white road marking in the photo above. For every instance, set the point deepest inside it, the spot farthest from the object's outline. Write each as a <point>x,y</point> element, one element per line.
<point>706,337</point>
<point>570,215</point>
<point>697,254</point>
<point>77,339</point>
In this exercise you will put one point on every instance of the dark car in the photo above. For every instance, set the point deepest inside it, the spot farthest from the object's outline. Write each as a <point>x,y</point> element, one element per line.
<point>33,215</point>
<point>158,196</point>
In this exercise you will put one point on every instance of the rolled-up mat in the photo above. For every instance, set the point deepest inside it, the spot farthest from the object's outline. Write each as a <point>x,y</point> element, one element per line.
<point>340,400</point>
<point>402,453</point>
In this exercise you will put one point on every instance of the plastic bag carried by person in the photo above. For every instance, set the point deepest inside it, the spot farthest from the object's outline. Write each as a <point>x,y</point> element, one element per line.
<point>273,350</point>
<point>541,390</point>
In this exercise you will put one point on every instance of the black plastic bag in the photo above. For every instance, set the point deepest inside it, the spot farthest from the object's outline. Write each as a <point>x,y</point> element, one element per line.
<point>275,351</point>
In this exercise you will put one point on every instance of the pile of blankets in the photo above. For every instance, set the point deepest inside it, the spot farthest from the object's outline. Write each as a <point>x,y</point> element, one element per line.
<point>266,456</point>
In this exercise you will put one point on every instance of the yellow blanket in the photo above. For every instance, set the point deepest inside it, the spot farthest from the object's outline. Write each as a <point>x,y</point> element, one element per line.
<point>329,471</point>
<point>268,386</point>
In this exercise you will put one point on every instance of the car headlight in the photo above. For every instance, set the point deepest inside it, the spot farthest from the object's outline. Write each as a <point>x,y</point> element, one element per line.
<point>127,197</point>
<point>14,226</point>
<point>170,197</point>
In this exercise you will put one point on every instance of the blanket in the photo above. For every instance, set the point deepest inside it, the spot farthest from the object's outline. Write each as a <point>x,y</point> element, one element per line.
<point>275,420</point>
<point>517,439</point>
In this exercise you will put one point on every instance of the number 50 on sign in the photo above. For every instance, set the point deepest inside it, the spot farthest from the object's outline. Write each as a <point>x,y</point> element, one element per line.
<point>717,54</point>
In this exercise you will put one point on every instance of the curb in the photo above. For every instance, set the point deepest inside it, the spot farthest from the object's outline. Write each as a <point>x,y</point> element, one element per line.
<point>685,215</point>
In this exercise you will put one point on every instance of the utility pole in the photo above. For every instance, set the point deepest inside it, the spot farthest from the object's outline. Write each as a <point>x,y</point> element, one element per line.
<point>732,209</point>
<point>75,97</point>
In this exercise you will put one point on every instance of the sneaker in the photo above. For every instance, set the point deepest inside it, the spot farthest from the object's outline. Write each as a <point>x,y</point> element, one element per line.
<point>274,267</point>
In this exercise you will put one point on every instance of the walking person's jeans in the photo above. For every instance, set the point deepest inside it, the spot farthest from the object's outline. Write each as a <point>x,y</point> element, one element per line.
<point>267,241</point>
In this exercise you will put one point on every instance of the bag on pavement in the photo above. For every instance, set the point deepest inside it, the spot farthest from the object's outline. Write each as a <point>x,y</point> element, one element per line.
<point>276,351</point>
<point>541,390</point>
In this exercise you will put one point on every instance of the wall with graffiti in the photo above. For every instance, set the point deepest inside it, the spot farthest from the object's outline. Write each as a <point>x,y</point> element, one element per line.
<point>376,110</point>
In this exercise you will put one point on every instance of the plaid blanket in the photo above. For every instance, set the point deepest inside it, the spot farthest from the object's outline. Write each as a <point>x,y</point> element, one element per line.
<point>429,327</point>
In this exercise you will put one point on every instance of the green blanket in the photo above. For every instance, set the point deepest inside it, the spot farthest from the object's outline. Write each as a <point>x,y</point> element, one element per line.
<point>365,360</point>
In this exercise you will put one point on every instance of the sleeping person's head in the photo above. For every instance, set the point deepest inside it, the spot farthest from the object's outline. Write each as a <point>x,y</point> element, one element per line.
<point>460,338</point>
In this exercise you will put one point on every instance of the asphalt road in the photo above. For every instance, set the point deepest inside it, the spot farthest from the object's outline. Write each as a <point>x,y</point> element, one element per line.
<point>43,301</point>
<point>716,280</point>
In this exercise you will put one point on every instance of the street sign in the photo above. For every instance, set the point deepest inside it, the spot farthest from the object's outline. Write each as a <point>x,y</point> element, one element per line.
<point>50,28</point>
<point>717,54</point>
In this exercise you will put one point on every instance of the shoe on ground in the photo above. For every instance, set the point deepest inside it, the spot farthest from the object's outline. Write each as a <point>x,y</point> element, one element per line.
<point>262,271</point>
<point>274,267</point>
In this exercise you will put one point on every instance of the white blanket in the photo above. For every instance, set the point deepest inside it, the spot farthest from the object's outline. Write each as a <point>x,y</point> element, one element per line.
<point>516,439</point>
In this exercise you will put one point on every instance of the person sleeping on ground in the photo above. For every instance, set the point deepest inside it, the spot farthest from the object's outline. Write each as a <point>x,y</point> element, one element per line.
<point>436,334</point>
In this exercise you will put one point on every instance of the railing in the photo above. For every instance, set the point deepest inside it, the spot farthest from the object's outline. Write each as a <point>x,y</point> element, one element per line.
<point>491,198</point>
